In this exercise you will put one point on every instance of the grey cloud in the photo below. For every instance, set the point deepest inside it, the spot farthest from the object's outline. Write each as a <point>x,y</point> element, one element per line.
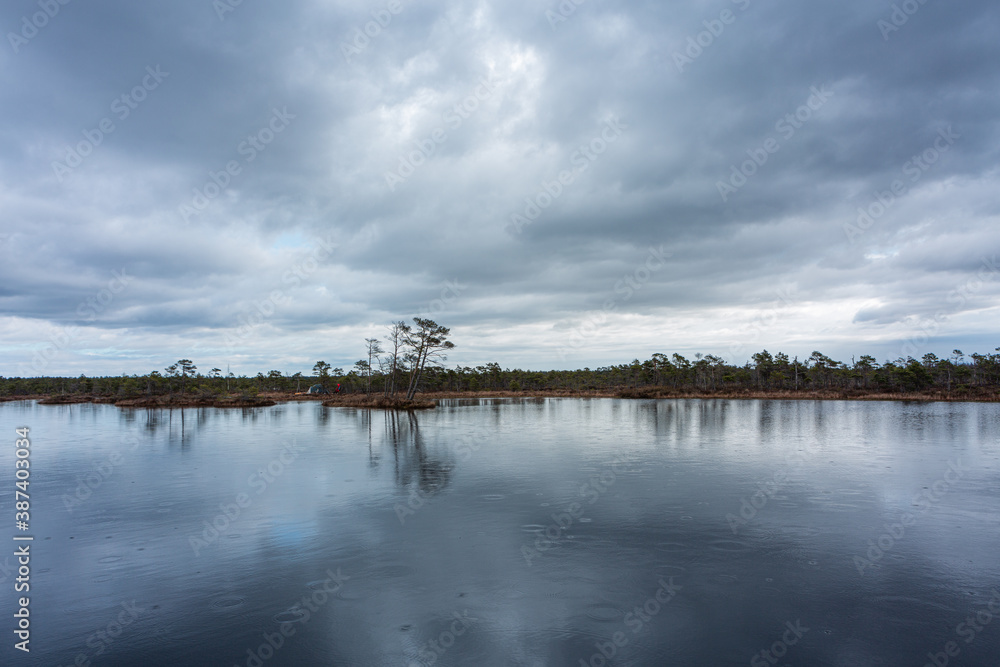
<point>325,174</point>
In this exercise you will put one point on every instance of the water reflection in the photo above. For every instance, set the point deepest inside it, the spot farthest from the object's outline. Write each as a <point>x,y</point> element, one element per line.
<point>416,464</point>
<point>809,484</point>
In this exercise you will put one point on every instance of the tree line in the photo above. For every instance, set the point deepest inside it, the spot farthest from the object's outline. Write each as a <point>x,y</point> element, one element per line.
<point>409,359</point>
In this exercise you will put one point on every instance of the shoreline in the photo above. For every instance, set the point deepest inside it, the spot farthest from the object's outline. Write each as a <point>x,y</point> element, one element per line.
<point>429,400</point>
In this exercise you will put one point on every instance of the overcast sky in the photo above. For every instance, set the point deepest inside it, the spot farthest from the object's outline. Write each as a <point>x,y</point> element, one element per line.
<point>264,185</point>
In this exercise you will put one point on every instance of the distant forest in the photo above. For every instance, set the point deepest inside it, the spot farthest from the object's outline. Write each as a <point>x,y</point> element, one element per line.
<point>974,375</point>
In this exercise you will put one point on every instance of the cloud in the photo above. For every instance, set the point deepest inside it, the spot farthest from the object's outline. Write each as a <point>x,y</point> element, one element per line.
<point>478,108</point>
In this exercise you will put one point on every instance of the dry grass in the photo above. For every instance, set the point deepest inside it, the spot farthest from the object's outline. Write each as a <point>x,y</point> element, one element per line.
<point>816,395</point>
<point>195,402</point>
<point>376,402</point>
<point>428,400</point>
<point>540,393</point>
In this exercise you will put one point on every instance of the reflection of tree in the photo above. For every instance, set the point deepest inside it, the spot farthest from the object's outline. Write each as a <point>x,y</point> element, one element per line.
<point>414,464</point>
<point>179,423</point>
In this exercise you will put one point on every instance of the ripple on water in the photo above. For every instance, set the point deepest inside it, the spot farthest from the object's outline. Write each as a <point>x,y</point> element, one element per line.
<point>509,594</point>
<point>289,616</point>
<point>109,559</point>
<point>669,570</point>
<point>227,602</point>
<point>672,547</point>
<point>604,612</point>
<point>729,546</point>
<point>493,497</point>
<point>532,528</point>
<point>387,572</point>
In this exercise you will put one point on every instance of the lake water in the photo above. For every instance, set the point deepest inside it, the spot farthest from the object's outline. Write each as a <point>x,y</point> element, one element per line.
<point>533,532</point>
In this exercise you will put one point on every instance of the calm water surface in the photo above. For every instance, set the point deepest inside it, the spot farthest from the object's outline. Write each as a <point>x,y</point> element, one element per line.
<point>536,532</point>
